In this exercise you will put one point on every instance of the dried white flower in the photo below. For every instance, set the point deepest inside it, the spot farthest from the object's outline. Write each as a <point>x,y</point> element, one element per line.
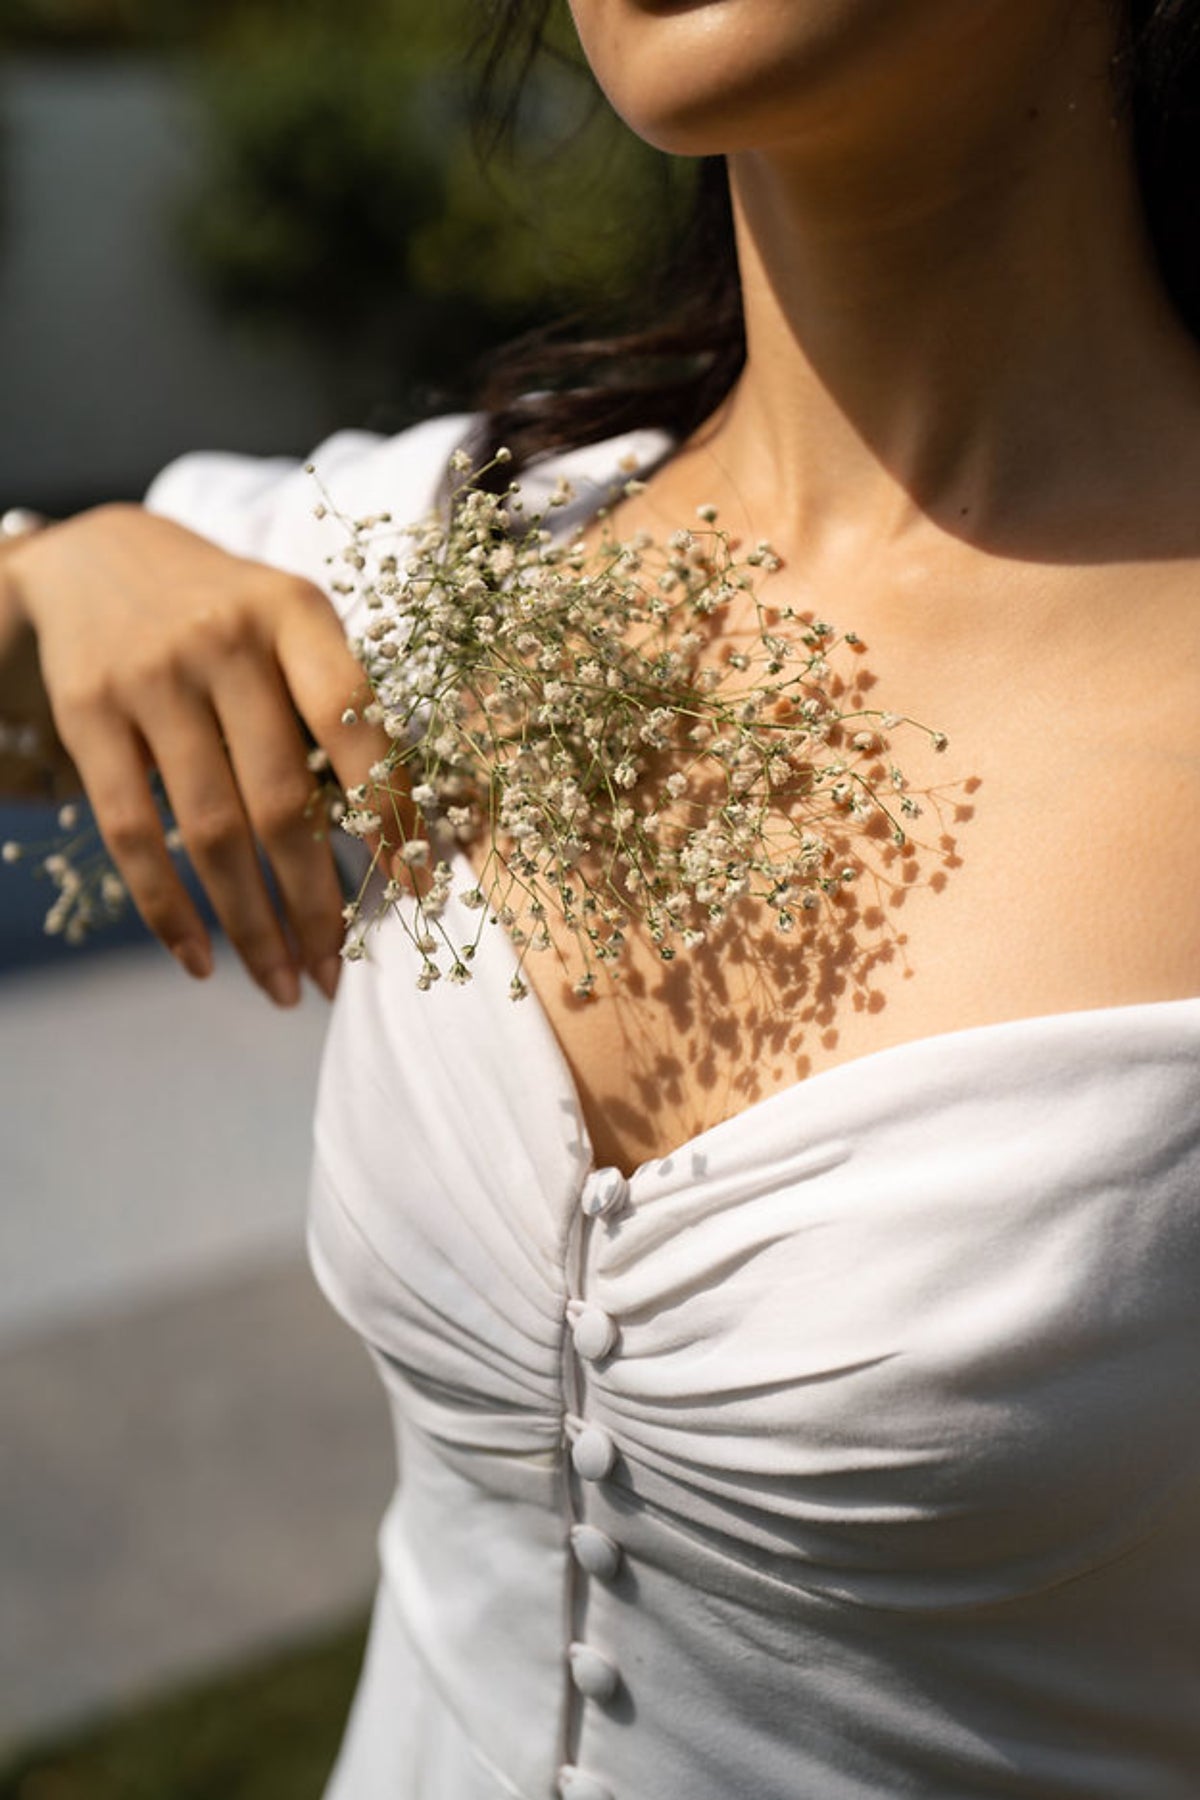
<point>586,716</point>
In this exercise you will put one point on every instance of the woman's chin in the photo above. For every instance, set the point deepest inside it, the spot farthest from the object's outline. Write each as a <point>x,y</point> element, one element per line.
<point>704,77</point>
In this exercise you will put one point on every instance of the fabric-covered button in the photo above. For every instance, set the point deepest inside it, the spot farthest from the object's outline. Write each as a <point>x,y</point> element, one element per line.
<point>604,1191</point>
<point>576,1784</point>
<point>593,1453</point>
<point>594,1333</point>
<point>595,1551</point>
<point>593,1674</point>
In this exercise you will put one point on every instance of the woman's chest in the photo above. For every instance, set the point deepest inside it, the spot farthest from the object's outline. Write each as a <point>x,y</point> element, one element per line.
<point>891,1323</point>
<point>1051,868</point>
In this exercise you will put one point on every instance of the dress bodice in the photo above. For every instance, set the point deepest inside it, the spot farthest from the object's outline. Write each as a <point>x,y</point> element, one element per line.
<point>900,1395</point>
<point>848,1452</point>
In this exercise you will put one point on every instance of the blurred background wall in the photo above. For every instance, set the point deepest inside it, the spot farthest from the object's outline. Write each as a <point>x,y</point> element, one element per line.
<point>237,224</point>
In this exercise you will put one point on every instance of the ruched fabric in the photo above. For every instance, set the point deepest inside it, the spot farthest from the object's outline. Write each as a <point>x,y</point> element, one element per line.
<point>849,1452</point>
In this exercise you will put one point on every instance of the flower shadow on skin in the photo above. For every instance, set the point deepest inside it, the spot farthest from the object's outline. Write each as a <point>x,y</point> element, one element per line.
<point>722,1026</point>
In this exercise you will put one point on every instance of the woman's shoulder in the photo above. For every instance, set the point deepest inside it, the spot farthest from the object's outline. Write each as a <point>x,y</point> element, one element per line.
<point>269,507</point>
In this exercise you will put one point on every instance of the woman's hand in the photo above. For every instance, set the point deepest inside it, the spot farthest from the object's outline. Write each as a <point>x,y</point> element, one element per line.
<point>159,650</point>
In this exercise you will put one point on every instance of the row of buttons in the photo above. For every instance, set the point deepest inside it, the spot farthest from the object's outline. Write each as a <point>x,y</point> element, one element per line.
<point>594,1335</point>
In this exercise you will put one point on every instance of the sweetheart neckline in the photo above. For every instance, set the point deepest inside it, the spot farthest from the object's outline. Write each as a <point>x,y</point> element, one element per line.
<point>806,1083</point>
<point>852,1064</point>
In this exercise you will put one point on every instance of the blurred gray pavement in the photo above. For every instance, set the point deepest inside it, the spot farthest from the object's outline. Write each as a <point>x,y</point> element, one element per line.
<point>194,1452</point>
<point>155,1130</point>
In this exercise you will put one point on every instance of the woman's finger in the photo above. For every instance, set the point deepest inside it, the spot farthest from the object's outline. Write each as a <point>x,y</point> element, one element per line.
<point>113,764</point>
<point>181,731</point>
<point>267,751</point>
<point>330,691</point>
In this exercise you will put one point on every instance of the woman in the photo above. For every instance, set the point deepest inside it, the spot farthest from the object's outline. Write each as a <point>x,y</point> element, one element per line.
<point>793,1375</point>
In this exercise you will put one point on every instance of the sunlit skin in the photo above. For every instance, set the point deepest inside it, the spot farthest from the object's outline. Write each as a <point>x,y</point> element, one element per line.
<point>952,314</point>
<point>970,420</point>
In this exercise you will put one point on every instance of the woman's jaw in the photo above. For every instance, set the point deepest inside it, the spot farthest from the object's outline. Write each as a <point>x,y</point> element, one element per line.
<point>704,77</point>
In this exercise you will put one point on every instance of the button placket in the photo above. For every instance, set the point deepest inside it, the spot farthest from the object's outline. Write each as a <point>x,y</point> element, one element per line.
<point>594,1337</point>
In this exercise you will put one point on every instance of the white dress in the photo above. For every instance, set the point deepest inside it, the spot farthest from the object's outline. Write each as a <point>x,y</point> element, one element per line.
<point>850,1452</point>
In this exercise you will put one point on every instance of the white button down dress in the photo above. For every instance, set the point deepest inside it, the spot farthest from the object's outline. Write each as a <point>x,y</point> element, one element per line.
<point>849,1452</point>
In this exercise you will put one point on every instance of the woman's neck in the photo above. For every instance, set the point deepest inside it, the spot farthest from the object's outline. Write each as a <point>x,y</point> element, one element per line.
<point>965,333</point>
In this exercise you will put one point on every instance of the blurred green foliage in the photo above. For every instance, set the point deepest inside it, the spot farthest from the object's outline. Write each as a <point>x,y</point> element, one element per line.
<point>342,200</point>
<point>268,1732</point>
<point>345,199</point>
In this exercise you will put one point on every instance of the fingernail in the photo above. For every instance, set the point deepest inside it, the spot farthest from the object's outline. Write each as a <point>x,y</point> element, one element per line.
<point>326,974</point>
<point>195,957</point>
<point>283,985</point>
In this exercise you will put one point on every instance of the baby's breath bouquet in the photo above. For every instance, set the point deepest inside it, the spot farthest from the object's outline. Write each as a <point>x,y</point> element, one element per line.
<point>622,733</point>
<point>587,740</point>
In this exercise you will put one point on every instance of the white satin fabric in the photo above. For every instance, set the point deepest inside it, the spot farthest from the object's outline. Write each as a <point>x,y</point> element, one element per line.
<point>901,1402</point>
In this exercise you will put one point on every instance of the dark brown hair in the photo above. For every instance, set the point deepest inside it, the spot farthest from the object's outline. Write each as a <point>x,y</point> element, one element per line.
<point>566,384</point>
